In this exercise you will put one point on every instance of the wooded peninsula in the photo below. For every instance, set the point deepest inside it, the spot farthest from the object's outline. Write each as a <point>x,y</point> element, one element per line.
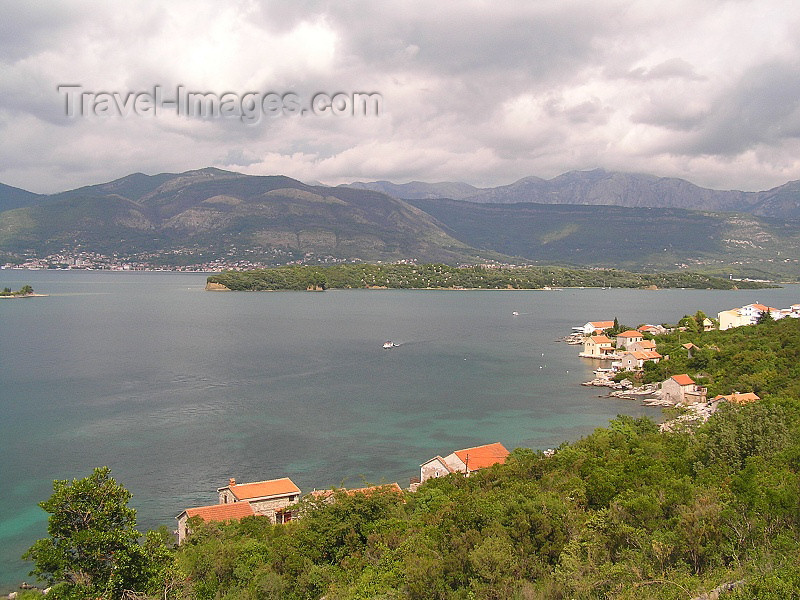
<point>440,276</point>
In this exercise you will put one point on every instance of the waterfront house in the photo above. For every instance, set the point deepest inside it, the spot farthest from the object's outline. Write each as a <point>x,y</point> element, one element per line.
<point>465,461</point>
<point>634,360</point>
<point>267,498</point>
<point>598,346</point>
<point>215,512</point>
<point>682,389</point>
<point>593,327</point>
<point>626,338</point>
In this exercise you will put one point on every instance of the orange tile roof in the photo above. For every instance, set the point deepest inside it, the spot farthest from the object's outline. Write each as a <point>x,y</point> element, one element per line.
<point>630,334</point>
<point>683,380</point>
<point>387,487</point>
<point>736,398</point>
<point>645,354</point>
<point>601,324</point>
<point>601,339</point>
<point>482,456</point>
<point>263,489</point>
<point>221,512</point>
<point>646,345</point>
<point>762,307</point>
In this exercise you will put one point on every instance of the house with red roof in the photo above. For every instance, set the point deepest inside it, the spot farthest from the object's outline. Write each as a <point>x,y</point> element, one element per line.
<point>215,512</point>
<point>644,345</point>
<point>593,327</point>
<point>465,461</point>
<point>267,498</point>
<point>634,360</point>
<point>598,346</point>
<point>329,495</point>
<point>682,389</point>
<point>626,338</point>
<point>737,398</point>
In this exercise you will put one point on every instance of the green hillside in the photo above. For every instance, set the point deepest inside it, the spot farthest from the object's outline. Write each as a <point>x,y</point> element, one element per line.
<point>638,239</point>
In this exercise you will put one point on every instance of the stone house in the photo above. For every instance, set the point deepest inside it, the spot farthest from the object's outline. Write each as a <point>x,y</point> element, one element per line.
<point>626,338</point>
<point>215,512</point>
<point>267,498</point>
<point>681,389</point>
<point>465,461</point>
<point>643,346</point>
<point>632,361</point>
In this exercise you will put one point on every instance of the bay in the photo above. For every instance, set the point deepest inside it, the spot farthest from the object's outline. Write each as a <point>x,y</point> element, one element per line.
<point>177,389</point>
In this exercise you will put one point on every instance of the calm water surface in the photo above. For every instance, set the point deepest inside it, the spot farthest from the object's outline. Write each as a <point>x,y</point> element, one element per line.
<point>178,389</point>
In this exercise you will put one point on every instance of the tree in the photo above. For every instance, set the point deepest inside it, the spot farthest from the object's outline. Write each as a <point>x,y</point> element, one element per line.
<point>93,550</point>
<point>25,290</point>
<point>765,317</point>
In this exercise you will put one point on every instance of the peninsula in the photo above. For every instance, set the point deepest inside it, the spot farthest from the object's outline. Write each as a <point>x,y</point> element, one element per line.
<point>440,276</point>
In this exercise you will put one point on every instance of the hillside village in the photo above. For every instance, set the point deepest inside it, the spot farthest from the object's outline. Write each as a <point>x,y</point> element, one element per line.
<point>628,351</point>
<point>277,499</point>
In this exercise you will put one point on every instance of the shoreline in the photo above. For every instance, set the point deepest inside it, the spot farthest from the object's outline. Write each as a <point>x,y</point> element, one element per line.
<point>25,296</point>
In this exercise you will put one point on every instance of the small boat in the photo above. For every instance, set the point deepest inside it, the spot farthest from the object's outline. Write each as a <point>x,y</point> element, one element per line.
<point>389,344</point>
<point>515,313</point>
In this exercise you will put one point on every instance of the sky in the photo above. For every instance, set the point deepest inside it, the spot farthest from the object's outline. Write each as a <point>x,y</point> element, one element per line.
<point>475,91</point>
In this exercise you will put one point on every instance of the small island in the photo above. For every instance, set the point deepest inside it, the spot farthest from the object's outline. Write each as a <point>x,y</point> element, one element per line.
<point>25,291</point>
<point>445,277</point>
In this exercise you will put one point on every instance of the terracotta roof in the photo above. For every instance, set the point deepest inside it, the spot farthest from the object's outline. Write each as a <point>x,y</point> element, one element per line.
<point>761,307</point>
<point>600,339</point>
<point>387,487</point>
<point>736,398</point>
<point>263,489</point>
<point>646,345</point>
<point>645,354</point>
<point>601,324</point>
<point>482,456</point>
<point>689,346</point>
<point>221,512</point>
<point>630,334</point>
<point>683,379</point>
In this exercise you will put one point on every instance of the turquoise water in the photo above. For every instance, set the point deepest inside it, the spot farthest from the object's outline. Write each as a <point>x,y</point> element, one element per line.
<point>178,389</point>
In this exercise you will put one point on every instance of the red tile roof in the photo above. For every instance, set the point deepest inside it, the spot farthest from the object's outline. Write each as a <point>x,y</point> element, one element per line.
<point>263,489</point>
<point>630,334</point>
<point>683,380</point>
<point>601,339</point>
<point>482,456</point>
<point>646,345</point>
<point>602,324</point>
<point>736,398</point>
<point>221,512</point>
<point>386,487</point>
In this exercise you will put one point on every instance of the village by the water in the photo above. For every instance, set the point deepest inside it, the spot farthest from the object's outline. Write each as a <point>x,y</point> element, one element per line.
<point>628,351</point>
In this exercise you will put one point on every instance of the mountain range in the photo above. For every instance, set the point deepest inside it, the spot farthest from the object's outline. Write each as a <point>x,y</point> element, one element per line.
<point>211,214</point>
<point>600,187</point>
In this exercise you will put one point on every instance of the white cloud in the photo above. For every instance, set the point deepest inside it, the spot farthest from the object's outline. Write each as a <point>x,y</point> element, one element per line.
<point>480,92</point>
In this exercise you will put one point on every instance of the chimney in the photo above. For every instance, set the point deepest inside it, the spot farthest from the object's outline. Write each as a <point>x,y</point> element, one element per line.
<point>232,481</point>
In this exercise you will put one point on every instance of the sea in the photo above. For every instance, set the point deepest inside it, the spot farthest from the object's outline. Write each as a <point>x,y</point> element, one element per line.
<point>177,389</point>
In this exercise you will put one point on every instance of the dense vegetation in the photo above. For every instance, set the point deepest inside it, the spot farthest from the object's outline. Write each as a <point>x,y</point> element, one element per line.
<point>404,276</point>
<point>626,512</point>
<point>763,359</point>
<point>25,290</point>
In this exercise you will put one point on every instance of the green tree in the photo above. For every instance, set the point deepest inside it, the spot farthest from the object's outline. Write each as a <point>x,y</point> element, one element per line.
<point>25,290</point>
<point>93,550</point>
<point>765,317</point>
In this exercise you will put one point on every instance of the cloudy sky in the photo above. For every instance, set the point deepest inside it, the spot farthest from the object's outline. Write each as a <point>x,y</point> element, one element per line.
<point>482,92</point>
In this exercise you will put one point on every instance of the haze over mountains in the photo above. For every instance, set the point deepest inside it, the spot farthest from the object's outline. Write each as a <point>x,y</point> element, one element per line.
<point>212,214</point>
<point>600,187</point>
